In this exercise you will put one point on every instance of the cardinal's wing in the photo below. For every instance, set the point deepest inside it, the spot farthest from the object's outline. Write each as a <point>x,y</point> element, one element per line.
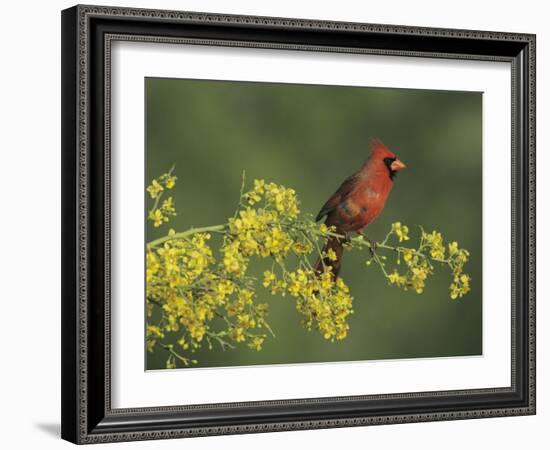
<point>341,195</point>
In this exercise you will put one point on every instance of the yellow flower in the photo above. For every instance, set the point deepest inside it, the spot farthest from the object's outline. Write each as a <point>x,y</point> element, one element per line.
<point>302,248</point>
<point>153,266</point>
<point>417,279</point>
<point>157,217</point>
<point>256,343</point>
<point>259,186</point>
<point>154,189</point>
<point>246,296</point>
<point>401,231</point>
<point>161,215</point>
<point>197,330</point>
<point>396,278</point>
<point>154,330</point>
<point>460,286</point>
<point>168,207</point>
<point>269,277</point>
<point>281,199</point>
<point>277,242</point>
<point>331,255</point>
<point>237,334</point>
<point>279,287</point>
<point>170,182</point>
<point>453,248</point>
<point>435,241</point>
<point>233,260</point>
<point>253,198</point>
<point>322,300</point>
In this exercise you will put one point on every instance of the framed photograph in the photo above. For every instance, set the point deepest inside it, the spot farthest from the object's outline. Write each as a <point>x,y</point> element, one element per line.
<point>281,224</point>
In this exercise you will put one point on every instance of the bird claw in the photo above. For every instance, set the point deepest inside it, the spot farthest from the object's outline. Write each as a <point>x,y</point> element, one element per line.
<point>372,244</point>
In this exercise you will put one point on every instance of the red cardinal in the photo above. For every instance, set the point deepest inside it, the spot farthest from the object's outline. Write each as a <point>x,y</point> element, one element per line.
<point>359,200</point>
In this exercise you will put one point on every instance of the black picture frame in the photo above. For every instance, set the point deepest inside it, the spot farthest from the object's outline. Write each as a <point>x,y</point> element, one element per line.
<point>87,415</point>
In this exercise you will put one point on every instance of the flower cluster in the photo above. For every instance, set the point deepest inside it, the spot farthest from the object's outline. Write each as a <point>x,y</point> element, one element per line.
<point>258,227</point>
<point>191,291</point>
<point>268,226</point>
<point>418,269</point>
<point>258,232</point>
<point>461,281</point>
<point>434,243</point>
<point>161,212</point>
<point>197,295</point>
<point>420,261</point>
<point>191,297</point>
<point>158,185</point>
<point>322,299</point>
<point>276,197</point>
<point>401,231</point>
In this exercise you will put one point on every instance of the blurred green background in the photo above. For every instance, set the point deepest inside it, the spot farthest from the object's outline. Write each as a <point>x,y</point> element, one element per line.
<point>311,138</point>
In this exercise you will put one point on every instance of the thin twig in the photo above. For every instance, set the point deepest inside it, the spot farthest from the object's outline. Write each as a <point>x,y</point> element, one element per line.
<point>184,234</point>
<point>183,359</point>
<point>241,193</point>
<point>223,343</point>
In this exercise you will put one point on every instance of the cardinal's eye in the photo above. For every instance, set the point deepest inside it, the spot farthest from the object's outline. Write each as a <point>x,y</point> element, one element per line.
<point>388,161</point>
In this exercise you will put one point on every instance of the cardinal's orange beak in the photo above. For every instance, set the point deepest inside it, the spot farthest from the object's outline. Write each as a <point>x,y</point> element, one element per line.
<point>397,165</point>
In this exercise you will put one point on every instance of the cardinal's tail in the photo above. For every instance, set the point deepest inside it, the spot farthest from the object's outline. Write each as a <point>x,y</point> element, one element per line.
<point>333,251</point>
